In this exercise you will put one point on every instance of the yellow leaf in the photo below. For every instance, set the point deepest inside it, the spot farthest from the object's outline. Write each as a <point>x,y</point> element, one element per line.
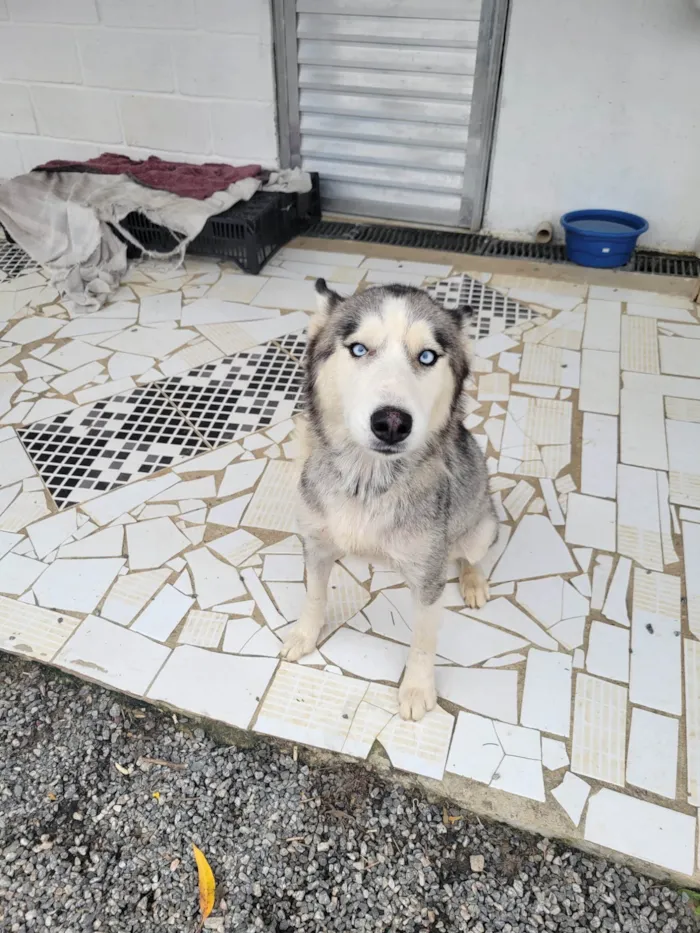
<point>156,794</point>
<point>207,884</point>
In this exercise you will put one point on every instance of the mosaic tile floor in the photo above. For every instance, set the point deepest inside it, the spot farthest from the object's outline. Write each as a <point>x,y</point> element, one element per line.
<point>148,537</point>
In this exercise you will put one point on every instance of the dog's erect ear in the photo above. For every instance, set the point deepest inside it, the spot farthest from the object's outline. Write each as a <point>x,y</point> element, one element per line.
<point>462,314</point>
<point>326,298</point>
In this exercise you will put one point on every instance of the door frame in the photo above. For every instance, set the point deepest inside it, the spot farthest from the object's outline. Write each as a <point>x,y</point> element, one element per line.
<point>484,105</point>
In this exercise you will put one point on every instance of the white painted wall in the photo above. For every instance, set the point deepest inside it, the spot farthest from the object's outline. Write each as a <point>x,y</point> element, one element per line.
<point>600,108</point>
<point>183,79</point>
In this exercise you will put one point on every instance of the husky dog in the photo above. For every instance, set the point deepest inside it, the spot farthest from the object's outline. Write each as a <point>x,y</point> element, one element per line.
<point>388,470</point>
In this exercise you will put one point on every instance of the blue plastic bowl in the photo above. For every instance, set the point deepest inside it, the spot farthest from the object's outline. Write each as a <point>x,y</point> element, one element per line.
<point>602,239</point>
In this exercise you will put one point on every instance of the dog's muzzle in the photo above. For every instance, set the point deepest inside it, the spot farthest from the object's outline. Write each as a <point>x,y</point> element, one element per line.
<point>391,425</point>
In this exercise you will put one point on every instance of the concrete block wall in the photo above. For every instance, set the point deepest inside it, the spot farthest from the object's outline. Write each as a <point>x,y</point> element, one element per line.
<point>182,79</point>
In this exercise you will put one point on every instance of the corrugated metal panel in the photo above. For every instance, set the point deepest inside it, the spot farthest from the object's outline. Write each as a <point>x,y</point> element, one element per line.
<point>385,91</point>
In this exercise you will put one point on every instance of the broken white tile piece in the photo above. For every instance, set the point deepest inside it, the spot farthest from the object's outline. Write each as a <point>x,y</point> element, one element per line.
<point>494,387</point>
<point>49,533</point>
<point>615,607</point>
<point>31,631</point>
<point>365,655</point>
<point>290,598</point>
<point>203,629</point>
<point>503,613</point>
<point>518,741</point>
<point>582,584</point>
<point>655,669</point>
<point>236,547</point>
<point>214,460</point>
<point>265,643</point>
<point>579,659</point>
<point>639,350</point>
<point>599,455</point>
<point>238,633</point>
<point>106,508</point>
<point>105,543</point>
<point>518,498</point>
<point>534,390</point>
<point>274,503</point>
<point>510,362</point>
<point>460,639</point>
<point>550,498</point>
<point>667,546</point>
<point>243,607</point>
<point>602,331</point>
<point>569,632</point>
<point>652,756</point>
<point>493,344</point>
<point>151,543</point>
<point>112,655</point>
<point>490,693</point>
<point>273,618</point>
<point>600,729</point>
<point>534,550</point>
<point>476,751</point>
<point>219,686</point>
<point>547,693</point>
<point>130,594</point>
<point>600,382</point>
<point>214,581</point>
<point>505,660</point>
<point>162,616</point>
<point>554,754</point>
<point>502,589</point>
<point>18,573</point>
<point>76,584</point>
<point>608,652</point>
<point>229,513</point>
<point>601,573</point>
<point>521,776</point>
<point>283,568</point>
<point>590,522</point>
<point>642,830</point>
<point>23,509</point>
<point>572,795</point>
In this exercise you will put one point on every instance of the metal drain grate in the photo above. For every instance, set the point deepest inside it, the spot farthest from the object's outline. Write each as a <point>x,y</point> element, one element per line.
<point>14,261</point>
<point>479,244</point>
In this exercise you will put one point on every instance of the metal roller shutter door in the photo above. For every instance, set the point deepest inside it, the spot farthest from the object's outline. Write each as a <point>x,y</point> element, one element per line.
<point>384,100</point>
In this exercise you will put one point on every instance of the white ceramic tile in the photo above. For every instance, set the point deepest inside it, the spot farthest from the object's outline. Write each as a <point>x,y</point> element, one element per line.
<point>518,498</point>
<point>238,633</point>
<point>274,503</point>
<point>84,396</point>
<point>289,598</point>
<point>333,258</point>
<point>476,751</point>
<point>569,632</point>
<point>590,522</point>
<point>691,556</point>
<point>491,693</point>
<point>76,584</point>
<point>112,655</point>
<point>547,693</point>
<point>9,541</point>
<point>184,583</point>
<point>615,607</point>
<point>534,550</point>
<point>18,573</point>
<point>599,455</point>
<point>679,356</point>
<point>426,269</point>
<point>551,599</point>
<point>583,556</point>
<point>151,543</point>
<point>74,378</point>
<point>489,346</point>
<point>214,581</point>
<point>214,460</point>
<point>202,488</point>
<point>365,655</point>
<point>655,669</point>
<point>642,830</point>
<point>23,509</point>
<point>504,614</point>
<point>104,509</point>
<point>510,362</point>
<point>283,568</point>
<point>601,573</point>
<point>121,365</point>
<point>28,630</point>
<point>534,390</point>
<point>638,523</point>
<point>47,534</point>
<point>608,653</point>
<point>237,546</point>
<point>600,382</point>
<point>684,456</point>
<point>550,498</point>
<point>692,717</point>
<point>203,629</point>
<point>550,365</point>
<point>572,795</point>
<point>146,341</point>
<point>32,329</point>
<point>554,754</point>
<point>130,594</point>
<point>345,598</point>
<point>295,295</point>
<point>229,513</point>
<point>163,614</point>
<point>652,756</point>
<point>14,462</point>
<point>602,330</point>
<point>382,579</point>
<point>310,706</point>
<point>582,584</point>
<point>419,748</point>
<point>494,387</point>
<point>505,660</point>
<point>642,430</point>
<point>600,726</point>
<point>682,409</point>
<point>273,618</point>
<point>639,350</point>
<point>266,644</point>
<point>668,548</point>
<point>219,686</point>
<point>668,308</point>
<point>518,741</point>
<point>461,639</point>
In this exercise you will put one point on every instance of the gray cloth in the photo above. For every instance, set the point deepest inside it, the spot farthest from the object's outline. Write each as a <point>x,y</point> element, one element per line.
<point>62,220</point>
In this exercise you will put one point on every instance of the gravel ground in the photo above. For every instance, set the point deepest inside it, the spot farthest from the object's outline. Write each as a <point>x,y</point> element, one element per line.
<point>86,847</point>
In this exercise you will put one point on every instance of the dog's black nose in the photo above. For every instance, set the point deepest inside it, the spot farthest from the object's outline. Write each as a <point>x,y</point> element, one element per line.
<point>391,425</point>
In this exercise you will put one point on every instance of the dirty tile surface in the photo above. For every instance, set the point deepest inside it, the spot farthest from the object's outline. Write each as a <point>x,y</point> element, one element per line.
<point>148,537</point>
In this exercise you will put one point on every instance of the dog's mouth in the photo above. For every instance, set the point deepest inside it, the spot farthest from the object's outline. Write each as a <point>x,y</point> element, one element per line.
<point>388,450</point>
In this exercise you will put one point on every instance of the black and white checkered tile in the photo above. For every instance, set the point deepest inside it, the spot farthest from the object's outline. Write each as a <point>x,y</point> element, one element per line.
<point>108,444</point>
<point>294,344</point>
<point>493,312</point>
<point>14,261</point>
<point>248,392</point>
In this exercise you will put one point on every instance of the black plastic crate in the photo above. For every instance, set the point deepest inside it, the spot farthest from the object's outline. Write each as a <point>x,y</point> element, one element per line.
<point>248,233</point>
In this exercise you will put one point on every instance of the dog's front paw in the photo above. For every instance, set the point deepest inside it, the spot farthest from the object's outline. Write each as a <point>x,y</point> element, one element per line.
<point>474,587</point>
<point>417,695</point>
<point>298,644</point>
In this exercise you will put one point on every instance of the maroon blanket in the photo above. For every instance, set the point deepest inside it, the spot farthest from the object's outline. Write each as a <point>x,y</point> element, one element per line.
<point>181,178</point>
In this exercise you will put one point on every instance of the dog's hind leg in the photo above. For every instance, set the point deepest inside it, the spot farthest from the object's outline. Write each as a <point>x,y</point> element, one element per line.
<point>320,557</point>
<point>473,548</point>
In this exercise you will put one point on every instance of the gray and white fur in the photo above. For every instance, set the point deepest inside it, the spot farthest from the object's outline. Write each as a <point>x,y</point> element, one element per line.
<point>388,470</point>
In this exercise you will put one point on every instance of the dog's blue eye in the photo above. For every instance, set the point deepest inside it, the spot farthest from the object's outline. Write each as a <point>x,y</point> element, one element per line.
<point>427,358</point>
<point>358,349</point>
